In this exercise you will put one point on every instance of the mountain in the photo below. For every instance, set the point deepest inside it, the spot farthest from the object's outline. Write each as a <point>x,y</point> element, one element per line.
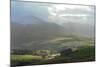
<point>39,35</point>
<point>29,33</point>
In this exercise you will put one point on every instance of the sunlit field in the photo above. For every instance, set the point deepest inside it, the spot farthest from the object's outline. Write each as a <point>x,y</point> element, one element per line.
<point>79,52</point>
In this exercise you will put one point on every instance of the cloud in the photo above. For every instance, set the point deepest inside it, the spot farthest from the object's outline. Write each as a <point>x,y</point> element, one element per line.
<point>74,13</point>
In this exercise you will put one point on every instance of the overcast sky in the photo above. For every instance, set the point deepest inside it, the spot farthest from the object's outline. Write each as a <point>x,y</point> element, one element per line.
<point>88,2</point>
<point>57,13</point>
<point>71,13</point>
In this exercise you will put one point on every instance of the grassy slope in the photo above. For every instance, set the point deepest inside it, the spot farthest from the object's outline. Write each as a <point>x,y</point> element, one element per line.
<point>84,53</point>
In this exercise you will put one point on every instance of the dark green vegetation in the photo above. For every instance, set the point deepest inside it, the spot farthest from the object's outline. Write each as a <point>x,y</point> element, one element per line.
<point>81,55</point>
<point>72,49</point>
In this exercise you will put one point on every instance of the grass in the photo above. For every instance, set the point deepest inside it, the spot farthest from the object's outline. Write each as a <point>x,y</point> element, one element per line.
<point>61,40</point>
<point>83,54</point>
<point>24,59</point>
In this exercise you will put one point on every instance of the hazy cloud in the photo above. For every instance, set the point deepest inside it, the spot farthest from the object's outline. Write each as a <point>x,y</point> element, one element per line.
<point>73,13</point>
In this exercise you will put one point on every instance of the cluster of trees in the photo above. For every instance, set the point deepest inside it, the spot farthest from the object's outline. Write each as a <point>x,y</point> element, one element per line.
<point>66,52</point>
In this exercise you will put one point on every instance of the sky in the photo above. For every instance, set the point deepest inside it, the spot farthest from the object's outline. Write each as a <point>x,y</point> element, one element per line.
<point>87,2</point>
<point>56,13</point>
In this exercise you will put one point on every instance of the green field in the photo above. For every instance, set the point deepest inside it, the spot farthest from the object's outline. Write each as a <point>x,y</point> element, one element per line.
<point>85,52</point>
<point>24,59</point>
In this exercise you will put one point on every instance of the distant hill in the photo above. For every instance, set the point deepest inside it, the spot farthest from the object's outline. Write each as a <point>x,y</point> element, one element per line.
<point>36,34</point>
<point>26,33</point>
